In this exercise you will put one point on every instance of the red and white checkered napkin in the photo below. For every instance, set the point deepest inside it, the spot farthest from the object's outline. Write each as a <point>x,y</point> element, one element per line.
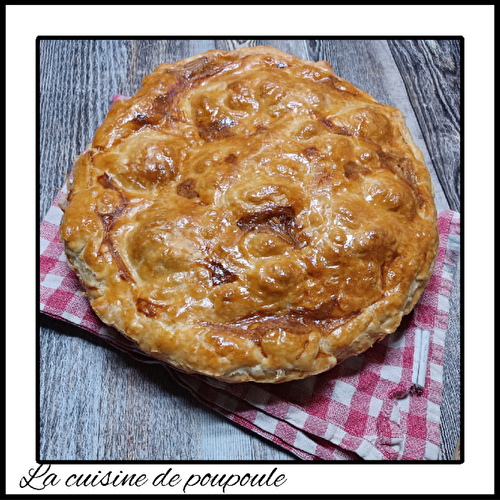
<point>365,408</point>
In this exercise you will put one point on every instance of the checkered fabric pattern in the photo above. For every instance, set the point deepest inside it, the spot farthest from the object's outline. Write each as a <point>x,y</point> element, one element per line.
<point>364,409</point>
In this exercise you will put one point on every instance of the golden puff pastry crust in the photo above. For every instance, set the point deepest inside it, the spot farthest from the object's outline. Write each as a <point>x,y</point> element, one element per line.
<point>251,216</point>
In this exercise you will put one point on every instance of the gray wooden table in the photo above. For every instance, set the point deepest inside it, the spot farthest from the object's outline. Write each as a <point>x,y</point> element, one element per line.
<point>96,403</point>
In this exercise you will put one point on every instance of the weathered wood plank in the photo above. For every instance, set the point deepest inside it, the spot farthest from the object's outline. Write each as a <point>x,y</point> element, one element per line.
<point>451,401</point>
<point>457,455</point>
<point>96,402</point>
<point>431,72</point>
<point>295,47</point>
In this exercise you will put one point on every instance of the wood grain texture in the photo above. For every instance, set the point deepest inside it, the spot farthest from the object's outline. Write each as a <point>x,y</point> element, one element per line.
<point>431,72</point>
<point>452,390</point>
<point>457,455</point>
<point>97,403</point>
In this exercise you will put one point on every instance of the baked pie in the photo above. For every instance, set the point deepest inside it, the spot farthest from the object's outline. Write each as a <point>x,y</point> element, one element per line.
<point>251,216</point>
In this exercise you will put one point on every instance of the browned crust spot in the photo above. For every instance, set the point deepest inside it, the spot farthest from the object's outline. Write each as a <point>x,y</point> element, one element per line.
<point>352,169</point>
<point>187,189</point>
<point>218,129</point>
<point>279,220</point>
<point>231,159</point>
<point>333,127</point>
<point>147,308</point>
<point>219,275</point>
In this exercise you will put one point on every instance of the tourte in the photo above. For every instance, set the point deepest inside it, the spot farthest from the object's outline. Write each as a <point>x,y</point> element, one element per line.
<point>250,216</point>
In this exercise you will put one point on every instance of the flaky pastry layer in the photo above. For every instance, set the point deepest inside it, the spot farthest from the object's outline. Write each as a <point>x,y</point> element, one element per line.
<point>251,216</point>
